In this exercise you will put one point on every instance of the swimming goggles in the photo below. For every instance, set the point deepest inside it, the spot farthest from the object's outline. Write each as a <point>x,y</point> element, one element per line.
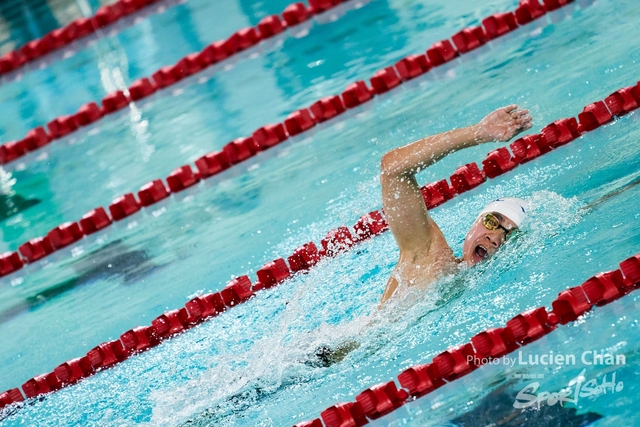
<point>491,222</point>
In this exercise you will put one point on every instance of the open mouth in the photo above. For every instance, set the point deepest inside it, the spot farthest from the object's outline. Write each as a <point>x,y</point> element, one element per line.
<point>481,251</point>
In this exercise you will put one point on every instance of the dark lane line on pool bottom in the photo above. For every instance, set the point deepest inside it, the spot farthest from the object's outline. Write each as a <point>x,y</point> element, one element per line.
<point>239,290</point>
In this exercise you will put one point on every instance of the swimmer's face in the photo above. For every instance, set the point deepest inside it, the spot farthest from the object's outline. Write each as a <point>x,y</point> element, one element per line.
<point>481,243</point>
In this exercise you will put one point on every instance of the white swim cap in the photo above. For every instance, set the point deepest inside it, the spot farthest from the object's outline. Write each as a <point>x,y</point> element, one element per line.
<point>511,207</point>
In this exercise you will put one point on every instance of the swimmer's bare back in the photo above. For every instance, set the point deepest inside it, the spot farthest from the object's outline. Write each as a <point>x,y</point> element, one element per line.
<point>425,255</point>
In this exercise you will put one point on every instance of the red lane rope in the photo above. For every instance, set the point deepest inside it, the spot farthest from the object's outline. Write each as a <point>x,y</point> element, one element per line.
<point>240,289</point>
<point>271,135</point>
<point>454,363</point>
<point>75,30</point>
<point>243,39</point>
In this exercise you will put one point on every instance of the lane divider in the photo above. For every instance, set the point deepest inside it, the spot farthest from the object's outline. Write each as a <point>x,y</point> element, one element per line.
<point>456,362</point>
<point>271,135</point>
<point>218,51</point>
<point>75,30</point>
<point>570,303</point>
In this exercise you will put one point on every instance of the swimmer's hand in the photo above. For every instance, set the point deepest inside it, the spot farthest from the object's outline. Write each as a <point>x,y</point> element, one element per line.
<point>327,356</point>
<point>503,124</point>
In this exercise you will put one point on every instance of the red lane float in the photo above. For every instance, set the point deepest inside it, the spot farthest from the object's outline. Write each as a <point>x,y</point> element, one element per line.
<point>74,370</point>
<point>241,149</point>
<point>312,423</point>
<point>65,234</point>
<point>452,364</point>
<point>469,39</point>
<point>10,262</point>
<point>11,151</point>
<point>528,148</point>
<point>269,26</point>
<point>412,66</point>
<point>529,10</point>
<point>35,139</point>
<point>181,179</point>
<point>464,179</point>
<point>467,177</point>
<point>271,274</point>
<point>631,270</point>
<point>123,207</point>
<point>356,93</point>
<point>421,380</point>
<point>237,291</point>
<point>206,306</point>
<point>35,249</point>
<point>327,108</point>
<point>142,88</point>
<point>622,101</point>
<point>381,399</point>
<point>107,354</point>
<point>530,325</point>
<point>171,323</point>
<point>87,114</point>
<point>494,343</point>
<point>304,257</point>
<point>337,241</point>
<point>593,116</point>
<point>370,225</point>
<point>295,14</point>
<point>152,192</point>
<point>269,136</point>
<point>296,123</point>
<point>11,396</point>
<point>45,383</point>
<point>61,126</point>
<point>114,101</point>
<point>384,80</point>
<point>213,163</point>
<point>140,338</point>
<point>499,24</point>
<point>497,163</point>
<point>94,220</point>
<point>164,77</point>
<point>441,52</point>
<point>349,414</point>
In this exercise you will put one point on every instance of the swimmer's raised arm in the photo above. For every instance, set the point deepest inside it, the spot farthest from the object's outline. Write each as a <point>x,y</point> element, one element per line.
<point>403,204</point>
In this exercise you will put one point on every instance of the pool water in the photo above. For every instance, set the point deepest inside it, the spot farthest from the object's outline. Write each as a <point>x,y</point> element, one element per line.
<point>247,366</point>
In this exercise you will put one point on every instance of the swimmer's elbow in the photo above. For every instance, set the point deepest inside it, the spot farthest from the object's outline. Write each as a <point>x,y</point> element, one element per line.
<point>389,165</point>
<point>384,164</point>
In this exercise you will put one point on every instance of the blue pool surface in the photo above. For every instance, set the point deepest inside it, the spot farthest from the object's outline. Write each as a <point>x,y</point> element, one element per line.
<point>246,367</point>
<point>26,20</point>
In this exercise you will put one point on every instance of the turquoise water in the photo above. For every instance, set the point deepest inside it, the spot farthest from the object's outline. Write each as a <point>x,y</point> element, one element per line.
<point>118,55</point>
<point>245,367</point>
<point>26,20</point>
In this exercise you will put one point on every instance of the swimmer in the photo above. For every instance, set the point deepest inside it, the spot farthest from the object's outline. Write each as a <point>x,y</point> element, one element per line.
<point>425,255</point>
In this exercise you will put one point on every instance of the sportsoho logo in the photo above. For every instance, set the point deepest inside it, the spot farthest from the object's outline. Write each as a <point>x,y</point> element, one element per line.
<point>578,388</point>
